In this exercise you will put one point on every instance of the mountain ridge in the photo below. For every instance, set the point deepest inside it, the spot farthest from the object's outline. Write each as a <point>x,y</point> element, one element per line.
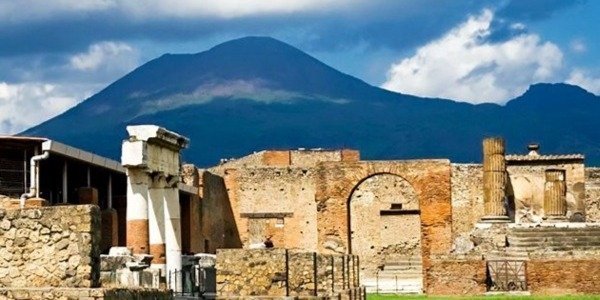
<point>259,93</point>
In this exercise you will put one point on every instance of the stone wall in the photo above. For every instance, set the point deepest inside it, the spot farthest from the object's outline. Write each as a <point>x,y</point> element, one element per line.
<point>526,189</point>
<point>380,233</point>
<point>455,276</point>
<point>592,194</point>
<point>277,202</point>
<point>560,277</point>
<point>219,227</point>
<point>84,294</point>
<point>467,198</point>
<point>55,246</point>
<point>281,272</point>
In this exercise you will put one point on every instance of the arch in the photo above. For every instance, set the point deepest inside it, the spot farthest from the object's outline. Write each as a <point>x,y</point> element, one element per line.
<point>415,200</point>
<point>384,225</point>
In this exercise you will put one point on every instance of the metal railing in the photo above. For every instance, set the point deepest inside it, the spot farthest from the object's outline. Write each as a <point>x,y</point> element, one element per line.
<point>191,281</point>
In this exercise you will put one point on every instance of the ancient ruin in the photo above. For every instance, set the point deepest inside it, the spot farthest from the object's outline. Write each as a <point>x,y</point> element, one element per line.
<point>292,223</point>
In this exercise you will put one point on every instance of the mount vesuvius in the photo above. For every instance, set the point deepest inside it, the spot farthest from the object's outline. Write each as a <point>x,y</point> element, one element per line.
<point>259,93</point>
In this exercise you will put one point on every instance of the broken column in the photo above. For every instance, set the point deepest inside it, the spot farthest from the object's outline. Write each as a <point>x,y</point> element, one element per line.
<point>151,156</point>
<point>494,181</point>
<point>555,205</point>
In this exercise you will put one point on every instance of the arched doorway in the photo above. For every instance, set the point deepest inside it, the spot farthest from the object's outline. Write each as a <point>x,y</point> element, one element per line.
<point>385,231</point>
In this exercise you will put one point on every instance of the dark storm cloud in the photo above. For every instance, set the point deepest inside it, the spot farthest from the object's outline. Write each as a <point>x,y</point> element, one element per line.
<point>391,24</point>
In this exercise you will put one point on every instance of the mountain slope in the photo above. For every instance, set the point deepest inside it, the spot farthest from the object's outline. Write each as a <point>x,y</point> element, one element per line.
<point>259,93</point>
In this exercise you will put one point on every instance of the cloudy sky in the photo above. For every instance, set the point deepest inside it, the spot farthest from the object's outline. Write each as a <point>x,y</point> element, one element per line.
<point>54,54</point>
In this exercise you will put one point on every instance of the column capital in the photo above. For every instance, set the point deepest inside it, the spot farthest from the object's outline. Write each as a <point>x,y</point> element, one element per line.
<point>157,135</point>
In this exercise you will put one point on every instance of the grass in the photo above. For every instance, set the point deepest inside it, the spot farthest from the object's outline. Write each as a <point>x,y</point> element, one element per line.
<point>423,297</point>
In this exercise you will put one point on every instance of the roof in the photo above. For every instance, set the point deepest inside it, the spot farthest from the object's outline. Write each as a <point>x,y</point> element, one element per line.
<point>540,158</point>
<point>88,157</point>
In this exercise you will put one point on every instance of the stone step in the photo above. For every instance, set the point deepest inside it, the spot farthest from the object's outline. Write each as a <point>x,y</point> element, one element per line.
<point>402,269</point>
<point>570,241</point>
<point>555,248</point>
<point>394,276</point>
<point>555,230</point>
<point>553,234</point>
<point>389,285</point>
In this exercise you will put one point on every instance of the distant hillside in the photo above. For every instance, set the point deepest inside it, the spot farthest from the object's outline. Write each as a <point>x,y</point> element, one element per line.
<point>259,93</point>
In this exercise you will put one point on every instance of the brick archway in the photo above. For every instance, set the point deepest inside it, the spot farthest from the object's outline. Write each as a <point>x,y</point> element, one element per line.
<point>429,178</point>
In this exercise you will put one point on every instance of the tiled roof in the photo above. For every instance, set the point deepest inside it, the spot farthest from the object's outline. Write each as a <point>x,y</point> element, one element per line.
<point>516,157</point>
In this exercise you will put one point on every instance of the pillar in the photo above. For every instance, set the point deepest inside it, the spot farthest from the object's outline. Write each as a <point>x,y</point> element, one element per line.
<point>157,223</point>
<point>137,211</point>
<point>110,229</point>
<point>555,205</point>
<point>151,156</point>
<point>173,237</point>
<point>494,181</point>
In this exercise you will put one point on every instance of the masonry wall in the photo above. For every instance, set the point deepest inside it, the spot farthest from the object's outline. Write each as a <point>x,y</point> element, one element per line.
<point>592,191</point>
<point>84,293</point>
<point>381,239</point>
<point>560,277</point>
<point>277,272</point>
<point>277,202</point>
<point>219,228</point>
<point>467,198</point>
<point>455,276</point>
<point>526,189</point>
<point>50,247</point>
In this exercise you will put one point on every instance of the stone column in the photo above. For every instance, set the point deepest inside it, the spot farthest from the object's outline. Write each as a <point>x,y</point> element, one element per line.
<point>154,151</point>
<point>494,181</point>
<point>555,205</point>
<point>157,223</point>
<point>137,211</point>
<point>173,236</point>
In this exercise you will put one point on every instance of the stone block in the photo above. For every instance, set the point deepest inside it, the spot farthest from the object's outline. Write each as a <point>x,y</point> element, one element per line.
<point>276,158</point>
<point>110,229</point>
<point>87,195</point>
<point>350,155</point>
<point>35,202</point>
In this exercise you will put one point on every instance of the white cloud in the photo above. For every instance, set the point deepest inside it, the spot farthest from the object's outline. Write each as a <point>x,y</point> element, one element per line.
<point>152,9</point>
<point>28,10</point>
<point>465,66</point>
<point>578,46</point>
<point>23,105</point>
<point>106,55</point>
<point>585,80</point>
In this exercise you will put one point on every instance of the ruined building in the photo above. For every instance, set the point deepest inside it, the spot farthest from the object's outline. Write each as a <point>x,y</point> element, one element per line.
<point>515,223</point>
<point>417,225</point>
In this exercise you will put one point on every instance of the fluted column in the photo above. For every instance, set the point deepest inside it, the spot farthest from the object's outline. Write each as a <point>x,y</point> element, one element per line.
<point>555,205</point>
<point>494,180</point>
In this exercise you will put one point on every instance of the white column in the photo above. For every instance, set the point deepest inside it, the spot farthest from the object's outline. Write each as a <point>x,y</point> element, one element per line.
<point>137,211</point>
<point>173,237</point>
<point>156,223</point>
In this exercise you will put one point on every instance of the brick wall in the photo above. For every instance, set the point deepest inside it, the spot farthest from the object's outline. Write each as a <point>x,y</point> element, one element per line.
<point>564,276</point>
<point>447,276</point>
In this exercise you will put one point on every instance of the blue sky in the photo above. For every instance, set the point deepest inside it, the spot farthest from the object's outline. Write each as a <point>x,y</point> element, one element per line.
<point>54,54</point>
